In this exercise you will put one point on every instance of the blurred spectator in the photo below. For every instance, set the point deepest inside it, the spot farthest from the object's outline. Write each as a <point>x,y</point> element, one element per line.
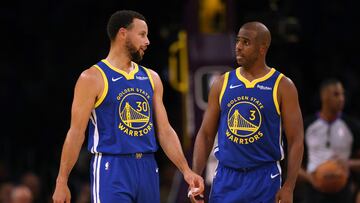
<point>21,194</point>
<point>5,191</point>
<point>84,196</point>
<point>32,181</point>
<point>329,135</point>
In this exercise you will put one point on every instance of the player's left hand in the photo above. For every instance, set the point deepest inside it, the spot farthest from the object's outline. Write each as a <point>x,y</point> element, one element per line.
<point>196,182</point>
<point>284,195</point>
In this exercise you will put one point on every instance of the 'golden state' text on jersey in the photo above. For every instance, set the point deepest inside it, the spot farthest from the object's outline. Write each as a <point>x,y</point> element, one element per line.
<point>122,119</point>
<point>249,132</point>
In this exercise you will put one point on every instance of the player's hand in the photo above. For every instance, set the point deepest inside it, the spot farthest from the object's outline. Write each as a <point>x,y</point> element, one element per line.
<point>62,193</point>
<point>311,179</point>
<point>344,165</point>
<point>196,182</point>
<point>195,199</point>
<point>284,195</point>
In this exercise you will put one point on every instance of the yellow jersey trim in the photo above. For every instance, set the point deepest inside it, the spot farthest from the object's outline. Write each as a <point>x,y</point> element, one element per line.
<point>150,77</point>
<point>226,78</point>
<point>252,84</point>
<point>106,87</point>
<point>128,76</point>
<point>275,98</point>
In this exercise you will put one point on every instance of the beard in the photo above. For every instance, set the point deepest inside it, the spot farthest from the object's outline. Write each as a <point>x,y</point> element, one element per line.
<point>133,52</point>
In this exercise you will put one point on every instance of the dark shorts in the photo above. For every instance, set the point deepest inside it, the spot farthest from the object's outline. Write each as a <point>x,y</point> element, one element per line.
<point>124,178</point>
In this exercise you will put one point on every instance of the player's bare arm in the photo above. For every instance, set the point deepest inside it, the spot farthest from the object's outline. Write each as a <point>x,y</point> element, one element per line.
<point>87,89</point>
<point>207,132</point>
<point>168,138</point>
<point>294,131</point>
<point>205,137</point>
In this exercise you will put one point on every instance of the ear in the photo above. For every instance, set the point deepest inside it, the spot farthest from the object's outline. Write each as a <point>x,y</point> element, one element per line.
<point>263,49</point>
<point>323,95</point>
<point>121,33</point>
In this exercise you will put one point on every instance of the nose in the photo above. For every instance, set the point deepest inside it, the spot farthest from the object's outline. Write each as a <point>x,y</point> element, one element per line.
<point>342,98</point>
<point>147,41</point>
<point>238,46</point>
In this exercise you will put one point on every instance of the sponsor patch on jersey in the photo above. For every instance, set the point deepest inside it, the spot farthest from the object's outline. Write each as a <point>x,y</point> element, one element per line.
<point>142,77</point>
<point>262,87</point>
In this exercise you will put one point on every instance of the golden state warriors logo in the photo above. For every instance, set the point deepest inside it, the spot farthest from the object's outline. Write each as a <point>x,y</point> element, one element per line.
<point>134,112</point>
<point>244,120</point>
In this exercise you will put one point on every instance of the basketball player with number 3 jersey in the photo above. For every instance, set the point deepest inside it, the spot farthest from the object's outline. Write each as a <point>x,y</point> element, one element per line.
<point>121,103</point>
<point>248,109</point>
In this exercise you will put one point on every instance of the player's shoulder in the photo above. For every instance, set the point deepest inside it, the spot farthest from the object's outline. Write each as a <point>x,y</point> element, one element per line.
<point>91,75</point>
<point>154,77</point>
<point>91,72</point>
<point>226,75</point>
<point>219,82</point>
<point>286,84</point>
<point>153,74</point>
<point>148,70</point>
<point>285,80</point>
<point>221,78</point>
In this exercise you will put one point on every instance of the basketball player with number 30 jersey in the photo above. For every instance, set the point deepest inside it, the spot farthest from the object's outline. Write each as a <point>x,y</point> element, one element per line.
<point>121,103</point>
<point>122,135</point>
<point>248,108</point>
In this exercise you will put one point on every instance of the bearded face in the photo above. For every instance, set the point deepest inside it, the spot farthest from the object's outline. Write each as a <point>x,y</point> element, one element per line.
<point>134,53</point>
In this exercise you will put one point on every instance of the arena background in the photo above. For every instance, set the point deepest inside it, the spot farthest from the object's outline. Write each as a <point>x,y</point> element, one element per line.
<point>47,44</point>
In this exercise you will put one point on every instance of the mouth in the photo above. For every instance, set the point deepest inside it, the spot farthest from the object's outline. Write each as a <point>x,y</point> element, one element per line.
<point>239,57</point>
<point>142,50</point>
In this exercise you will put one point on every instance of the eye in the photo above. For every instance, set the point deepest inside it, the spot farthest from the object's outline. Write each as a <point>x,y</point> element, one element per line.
<point>143,34</point>
<point>243,41</point>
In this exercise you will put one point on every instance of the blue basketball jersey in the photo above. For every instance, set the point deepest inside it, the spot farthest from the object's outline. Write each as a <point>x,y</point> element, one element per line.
<point>249,132</point>
<point>122,119</point>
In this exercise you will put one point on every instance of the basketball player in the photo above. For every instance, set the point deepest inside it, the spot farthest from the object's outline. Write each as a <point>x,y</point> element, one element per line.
<point>121,101</point>
<point>247,109</point>
<point>330,135</point>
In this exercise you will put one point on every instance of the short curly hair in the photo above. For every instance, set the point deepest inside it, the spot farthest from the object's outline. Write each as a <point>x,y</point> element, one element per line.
<point>121,19</point>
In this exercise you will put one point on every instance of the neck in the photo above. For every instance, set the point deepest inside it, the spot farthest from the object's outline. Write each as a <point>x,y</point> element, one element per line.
<point>254,72</point>
<point>328,115</point>
<point>256,67</point>
<point>119,59</point>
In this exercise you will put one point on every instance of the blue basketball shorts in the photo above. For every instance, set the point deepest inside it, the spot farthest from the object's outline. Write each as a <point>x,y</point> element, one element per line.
<point>255,185</point>
<point>132,178</point>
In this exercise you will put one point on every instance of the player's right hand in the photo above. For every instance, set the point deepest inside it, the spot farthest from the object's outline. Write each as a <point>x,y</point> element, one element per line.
<point>195,198</point>
<point>61,194</point>
<point>194,181</point>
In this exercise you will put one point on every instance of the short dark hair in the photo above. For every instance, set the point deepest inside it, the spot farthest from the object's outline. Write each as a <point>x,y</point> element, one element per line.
<point>327,82</point>
<point>121,19</point>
